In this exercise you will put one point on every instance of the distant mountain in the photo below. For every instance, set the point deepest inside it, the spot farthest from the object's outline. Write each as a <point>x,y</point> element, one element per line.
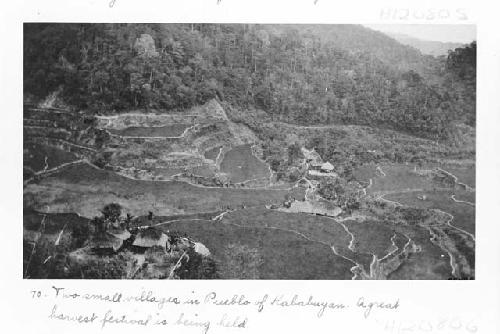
<point>433,48</point>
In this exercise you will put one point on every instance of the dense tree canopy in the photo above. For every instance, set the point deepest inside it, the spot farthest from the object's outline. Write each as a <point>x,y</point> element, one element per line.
<point>306,74</point>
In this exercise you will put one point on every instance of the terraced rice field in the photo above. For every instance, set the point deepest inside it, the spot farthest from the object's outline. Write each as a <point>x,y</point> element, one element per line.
<point>82,188</point>
<point>35,154</point>
<point>241,165</point>
<point>212,153</point>
<point>173,130</point>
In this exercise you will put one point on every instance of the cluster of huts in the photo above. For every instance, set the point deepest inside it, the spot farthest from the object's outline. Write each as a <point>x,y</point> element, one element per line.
<point>315,165</point>
<point>114,237</point>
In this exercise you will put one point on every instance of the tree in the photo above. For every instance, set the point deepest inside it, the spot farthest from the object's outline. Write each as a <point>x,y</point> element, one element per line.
<point>112,212</point>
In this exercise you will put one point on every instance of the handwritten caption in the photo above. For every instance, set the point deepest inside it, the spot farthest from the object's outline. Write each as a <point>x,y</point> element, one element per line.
<point>188,311</point>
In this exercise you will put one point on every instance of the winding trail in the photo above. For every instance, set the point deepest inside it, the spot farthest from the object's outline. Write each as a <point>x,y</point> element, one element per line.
<point>459,201</point>
<point>351,243</point>
<point>219,157</point>
<point>450,216</point>
<point>395,248</point>
<point>63,142</point>
<point>55,169</point>
<point>367,187</point>
<point>178,220</point>
<point>46,165</point>
<point>455,179</point>
<point>435,240</point>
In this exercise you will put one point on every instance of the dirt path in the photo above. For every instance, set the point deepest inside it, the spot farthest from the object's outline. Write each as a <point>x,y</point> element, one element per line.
<point>46,165</point>
<point>459,201</point>
<point>451,217</point>
<point>52,170</point>
<point>352,242</point>
<point>64,142</point>
<point>455,178</point>
<point>394,248</point>
<point>436,240</point>
<point>180,220</point>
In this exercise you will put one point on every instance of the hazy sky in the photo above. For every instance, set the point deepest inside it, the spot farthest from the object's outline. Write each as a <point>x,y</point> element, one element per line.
<point>460,33</point>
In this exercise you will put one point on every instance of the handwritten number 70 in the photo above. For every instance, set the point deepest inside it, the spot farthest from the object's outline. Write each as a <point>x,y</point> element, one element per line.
<point>36,294</point>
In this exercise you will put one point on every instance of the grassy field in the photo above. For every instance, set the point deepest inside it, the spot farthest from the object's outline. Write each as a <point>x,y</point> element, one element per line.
<point>260,253</point>
<point>465,172</point>
<point>212,153</point>
<point>318,228</point>
<point>430,262</point>
<point>467,196</point>
<point>204,171</point>
<point>399,177</point>
<point>53,222</point>
<point>84,189</point>
<point>34,156</point>
<point>242,165</point>
<point>371,237</point>
<point>173,130</point>
<point>365,172</point>
<point>464,214</point>
<point>167,172</point>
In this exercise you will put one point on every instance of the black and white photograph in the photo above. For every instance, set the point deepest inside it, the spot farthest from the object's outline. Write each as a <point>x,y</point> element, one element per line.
<point>249,151</point>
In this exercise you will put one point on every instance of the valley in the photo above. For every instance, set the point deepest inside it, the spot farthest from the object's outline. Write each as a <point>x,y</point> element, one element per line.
<point>256,226</point>
<point>209,151</point>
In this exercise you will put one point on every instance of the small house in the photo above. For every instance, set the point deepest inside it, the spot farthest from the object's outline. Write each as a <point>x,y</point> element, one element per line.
<point>149,237</point>
<point>120,233</point>
<point>105,243</point>
<point>327,167</point>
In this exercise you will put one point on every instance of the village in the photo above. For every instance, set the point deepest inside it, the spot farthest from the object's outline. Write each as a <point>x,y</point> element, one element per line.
<point>153,253</point>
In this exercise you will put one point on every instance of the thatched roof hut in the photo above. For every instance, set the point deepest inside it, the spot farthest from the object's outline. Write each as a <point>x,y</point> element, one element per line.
<point>327,167</point>
<point>120,233</point>
<point>201,249</point>
<point>150,237</point>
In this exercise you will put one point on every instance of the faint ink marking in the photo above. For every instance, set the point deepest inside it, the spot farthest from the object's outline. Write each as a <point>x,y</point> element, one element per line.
<point>449,325</point>
<point>429,14</point>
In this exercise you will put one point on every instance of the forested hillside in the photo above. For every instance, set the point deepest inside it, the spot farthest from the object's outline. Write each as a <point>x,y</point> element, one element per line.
<point>312,74</point>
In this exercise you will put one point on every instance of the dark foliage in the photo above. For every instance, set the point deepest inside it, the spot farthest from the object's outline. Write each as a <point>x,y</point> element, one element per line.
<point>306,74</point>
